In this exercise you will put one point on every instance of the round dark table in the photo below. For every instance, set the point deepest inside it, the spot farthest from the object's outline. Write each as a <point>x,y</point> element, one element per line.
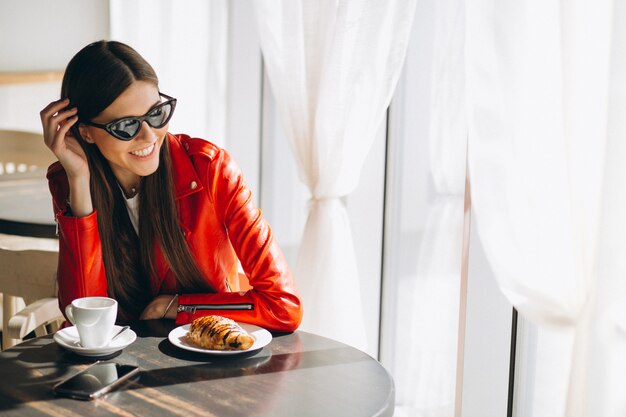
<point>297,374</point>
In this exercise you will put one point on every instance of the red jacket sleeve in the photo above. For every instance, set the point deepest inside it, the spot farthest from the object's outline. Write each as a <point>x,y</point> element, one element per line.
<point>273,298</point>
<point>80,271</point>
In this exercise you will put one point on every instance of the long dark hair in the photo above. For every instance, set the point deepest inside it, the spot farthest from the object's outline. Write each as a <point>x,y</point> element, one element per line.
<point>94,78</point>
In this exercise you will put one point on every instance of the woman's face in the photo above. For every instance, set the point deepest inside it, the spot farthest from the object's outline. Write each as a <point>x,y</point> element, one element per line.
<point>138,157</point>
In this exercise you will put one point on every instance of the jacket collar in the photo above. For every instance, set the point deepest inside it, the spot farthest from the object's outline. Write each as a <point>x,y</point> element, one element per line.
<point>186,180</point>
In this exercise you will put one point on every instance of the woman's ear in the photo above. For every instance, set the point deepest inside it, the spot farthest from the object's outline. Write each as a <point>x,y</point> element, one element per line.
<point>84,133</point>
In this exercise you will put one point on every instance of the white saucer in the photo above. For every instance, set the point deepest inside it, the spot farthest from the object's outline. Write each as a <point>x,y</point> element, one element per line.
<point>178,337</point>
<point>68,339</point>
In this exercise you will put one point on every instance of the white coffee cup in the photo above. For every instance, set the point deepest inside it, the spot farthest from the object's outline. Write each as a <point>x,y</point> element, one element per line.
<point>94,318</point>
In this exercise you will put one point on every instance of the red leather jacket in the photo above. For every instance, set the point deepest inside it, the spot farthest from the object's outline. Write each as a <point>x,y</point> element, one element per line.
<point>222,225</point>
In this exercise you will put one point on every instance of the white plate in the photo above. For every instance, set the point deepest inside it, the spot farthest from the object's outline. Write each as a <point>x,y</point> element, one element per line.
<point>68,339</point>
<point>262,337</point>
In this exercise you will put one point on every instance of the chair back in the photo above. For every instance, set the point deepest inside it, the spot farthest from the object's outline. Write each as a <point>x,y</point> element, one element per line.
<point>22,153</point>
<point>27,272</point>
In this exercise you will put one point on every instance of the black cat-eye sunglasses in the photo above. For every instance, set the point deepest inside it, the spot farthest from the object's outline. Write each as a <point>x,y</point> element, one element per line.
<point>127,128</point>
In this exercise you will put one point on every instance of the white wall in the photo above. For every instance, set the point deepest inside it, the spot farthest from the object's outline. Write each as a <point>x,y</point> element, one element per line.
<point>20,104</point>
<point>41,35</point>
<point>44,35</point>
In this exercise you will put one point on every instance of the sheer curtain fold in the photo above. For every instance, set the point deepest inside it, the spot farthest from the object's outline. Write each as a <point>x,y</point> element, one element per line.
<point>332,67</point>
<point>538,82</point>
<point>524,140</point>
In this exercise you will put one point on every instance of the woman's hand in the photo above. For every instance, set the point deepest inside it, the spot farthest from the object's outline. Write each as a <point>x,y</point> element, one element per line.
<point>156,308</point>
<point>57,120</point>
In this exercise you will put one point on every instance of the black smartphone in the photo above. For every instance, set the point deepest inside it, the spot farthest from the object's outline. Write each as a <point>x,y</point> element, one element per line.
<point>95,380</point>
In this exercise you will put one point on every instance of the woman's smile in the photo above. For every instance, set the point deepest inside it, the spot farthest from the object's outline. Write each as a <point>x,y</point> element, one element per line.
<point>144,152</point>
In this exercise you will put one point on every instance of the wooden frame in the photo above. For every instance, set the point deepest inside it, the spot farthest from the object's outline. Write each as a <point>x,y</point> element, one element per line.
<point>30,77</point>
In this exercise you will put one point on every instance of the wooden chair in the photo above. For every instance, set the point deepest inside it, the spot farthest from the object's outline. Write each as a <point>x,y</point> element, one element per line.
<point>28,278</point>
<point>22,153</point>
<point>27,265</point>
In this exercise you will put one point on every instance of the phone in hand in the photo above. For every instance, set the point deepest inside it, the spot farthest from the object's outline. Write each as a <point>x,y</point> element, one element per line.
<point>95,380</point>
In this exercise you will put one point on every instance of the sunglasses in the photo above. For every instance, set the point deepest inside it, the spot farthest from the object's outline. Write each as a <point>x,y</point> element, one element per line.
<point>128,127</point>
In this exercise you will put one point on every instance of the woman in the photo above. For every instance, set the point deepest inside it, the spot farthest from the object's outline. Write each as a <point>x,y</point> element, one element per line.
<point>157,221</point>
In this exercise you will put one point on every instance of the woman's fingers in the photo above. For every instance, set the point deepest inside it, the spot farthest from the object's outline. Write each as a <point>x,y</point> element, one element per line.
<point>55,111</point>
<point>51,109</point>
<point>156,308</point>
<point>65,125</point>
<point>54,107</point>
<point>56,136</point>
<point>57,120</point>
<point>60,117</point>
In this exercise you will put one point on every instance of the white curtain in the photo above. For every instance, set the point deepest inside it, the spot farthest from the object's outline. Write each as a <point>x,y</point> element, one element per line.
<point>187,44</point>
<point>332,67</point>
<point>422,354</point>
<point>545,94</point>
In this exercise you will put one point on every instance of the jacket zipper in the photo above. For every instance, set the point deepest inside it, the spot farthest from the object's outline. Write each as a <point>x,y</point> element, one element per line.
<point>191,308</point>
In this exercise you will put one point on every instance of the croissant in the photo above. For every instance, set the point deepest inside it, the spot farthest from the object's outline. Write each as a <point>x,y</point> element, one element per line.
<point>219,333</point>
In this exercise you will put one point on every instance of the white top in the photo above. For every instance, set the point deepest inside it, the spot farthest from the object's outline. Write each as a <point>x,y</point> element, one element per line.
<point>132,205</point>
